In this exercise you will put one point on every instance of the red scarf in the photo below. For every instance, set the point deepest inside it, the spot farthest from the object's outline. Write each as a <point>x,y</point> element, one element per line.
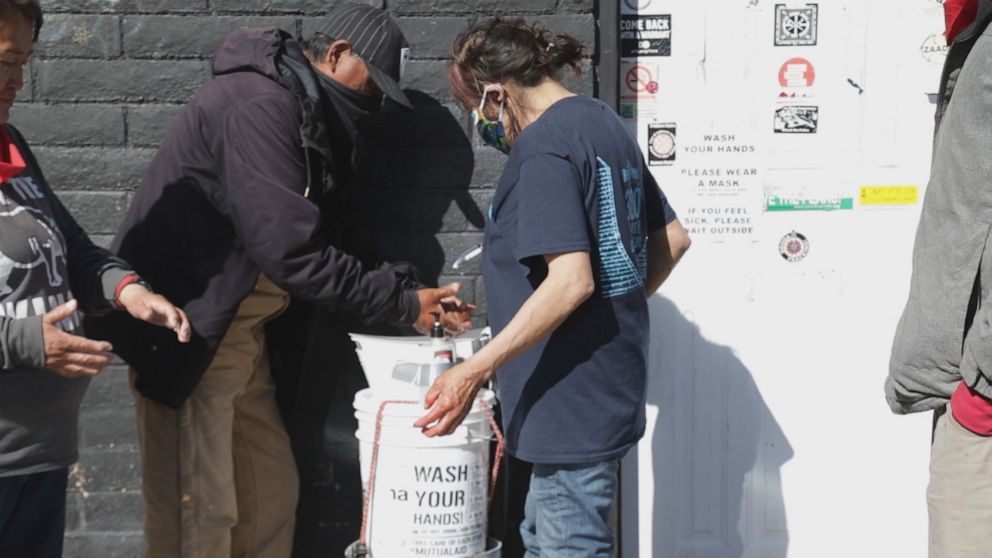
<point>11,161</point>
<point>958,14</point>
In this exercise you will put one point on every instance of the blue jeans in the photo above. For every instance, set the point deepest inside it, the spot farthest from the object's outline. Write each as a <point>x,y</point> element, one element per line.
<point>567,513</point>
<point>32,514</point>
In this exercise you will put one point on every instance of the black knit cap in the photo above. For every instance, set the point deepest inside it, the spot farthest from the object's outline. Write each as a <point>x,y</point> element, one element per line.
<point>376,38</point>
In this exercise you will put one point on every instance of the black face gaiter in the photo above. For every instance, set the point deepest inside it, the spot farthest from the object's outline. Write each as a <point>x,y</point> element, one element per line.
<point>351,105</point>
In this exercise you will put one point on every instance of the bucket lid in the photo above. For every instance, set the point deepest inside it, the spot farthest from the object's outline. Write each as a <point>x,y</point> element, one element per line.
<point>367,401</point>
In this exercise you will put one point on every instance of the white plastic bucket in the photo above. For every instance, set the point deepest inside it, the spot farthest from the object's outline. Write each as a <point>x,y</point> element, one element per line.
<point>494,549</point>
<point>381,354</point>
<point>430,495</point>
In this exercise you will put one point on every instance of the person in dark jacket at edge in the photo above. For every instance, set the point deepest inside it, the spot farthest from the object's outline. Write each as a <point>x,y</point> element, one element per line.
<point>227,222</point>
<point>49,268</point>
<point>942,352</point>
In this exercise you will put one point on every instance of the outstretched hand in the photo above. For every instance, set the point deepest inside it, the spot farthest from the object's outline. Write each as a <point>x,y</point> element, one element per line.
<point>71,355</point>
<point>456,316</point>
<point>451,398</point>
<point>154,309</point>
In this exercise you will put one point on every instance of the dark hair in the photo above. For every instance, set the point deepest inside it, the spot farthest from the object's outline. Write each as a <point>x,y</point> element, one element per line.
<point>508,49</point>
<point>30,9</point>
<point>316,46</point>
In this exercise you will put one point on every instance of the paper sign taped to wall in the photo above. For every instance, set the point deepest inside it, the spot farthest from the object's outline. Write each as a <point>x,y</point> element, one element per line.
<point>807,203</point>
<point>889,195</point>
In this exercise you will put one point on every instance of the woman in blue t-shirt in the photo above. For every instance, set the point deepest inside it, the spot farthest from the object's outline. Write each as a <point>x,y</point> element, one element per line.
<point>579,234</point>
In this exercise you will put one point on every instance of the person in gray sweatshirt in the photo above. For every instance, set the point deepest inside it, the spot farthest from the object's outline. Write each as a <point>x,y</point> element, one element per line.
<point>49,271</point>
<point>942,352</point>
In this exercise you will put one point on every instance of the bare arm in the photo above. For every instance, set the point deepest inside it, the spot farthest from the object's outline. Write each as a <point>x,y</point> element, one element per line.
<point>665,248</point>
<point>568,284</point>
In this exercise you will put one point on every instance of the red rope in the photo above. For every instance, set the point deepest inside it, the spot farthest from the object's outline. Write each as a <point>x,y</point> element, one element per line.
<point>374,462</point>
<point>500,443</point>
<point>372,467</point>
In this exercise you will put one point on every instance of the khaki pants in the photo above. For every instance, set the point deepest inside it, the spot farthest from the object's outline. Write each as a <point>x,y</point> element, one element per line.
<point>218,475</point>
<point>959,495</point>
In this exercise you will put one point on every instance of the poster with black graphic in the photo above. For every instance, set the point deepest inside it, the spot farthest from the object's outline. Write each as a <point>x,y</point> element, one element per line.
<point>643,36</point>
<point>796,119</point>
<point>796,25</point>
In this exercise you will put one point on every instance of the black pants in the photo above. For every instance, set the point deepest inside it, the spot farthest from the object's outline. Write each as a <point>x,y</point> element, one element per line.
<point>32,514</point>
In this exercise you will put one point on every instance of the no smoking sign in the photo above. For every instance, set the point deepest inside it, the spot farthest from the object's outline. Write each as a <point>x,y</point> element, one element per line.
<point>640,81</point>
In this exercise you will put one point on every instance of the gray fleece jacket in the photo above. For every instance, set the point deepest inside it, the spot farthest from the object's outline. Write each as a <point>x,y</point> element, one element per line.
<point>945,333</point>
<point>45,260</point>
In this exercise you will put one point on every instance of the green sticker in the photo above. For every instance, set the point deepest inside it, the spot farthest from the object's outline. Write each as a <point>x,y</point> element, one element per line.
<point>777,203</point>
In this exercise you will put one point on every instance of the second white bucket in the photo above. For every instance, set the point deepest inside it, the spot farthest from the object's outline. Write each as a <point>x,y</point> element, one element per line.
<point>429,495</point>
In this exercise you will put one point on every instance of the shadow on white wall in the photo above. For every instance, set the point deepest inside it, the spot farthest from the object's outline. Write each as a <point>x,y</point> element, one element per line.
<point>705,482</point>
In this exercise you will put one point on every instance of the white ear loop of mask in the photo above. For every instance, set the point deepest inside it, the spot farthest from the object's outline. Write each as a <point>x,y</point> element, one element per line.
<point>492,87</point>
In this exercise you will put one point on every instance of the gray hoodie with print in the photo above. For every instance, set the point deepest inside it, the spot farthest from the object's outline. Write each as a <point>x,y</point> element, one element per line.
<point>45,260</point>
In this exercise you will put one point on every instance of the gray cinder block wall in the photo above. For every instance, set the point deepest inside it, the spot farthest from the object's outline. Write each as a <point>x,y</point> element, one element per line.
<point>107,78</point>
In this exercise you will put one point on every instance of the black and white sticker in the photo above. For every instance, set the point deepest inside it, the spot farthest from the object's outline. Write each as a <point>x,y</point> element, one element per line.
<point>642,36</point>
<point>795,26</point>
<point>661,144</point>
<point>793,247</point>
<point>934,48</point>
<point>796,119</point>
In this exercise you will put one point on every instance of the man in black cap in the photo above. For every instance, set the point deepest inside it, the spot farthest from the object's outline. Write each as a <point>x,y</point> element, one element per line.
<point>227,223</point>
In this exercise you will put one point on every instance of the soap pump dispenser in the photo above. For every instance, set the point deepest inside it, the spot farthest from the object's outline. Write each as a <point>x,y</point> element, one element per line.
<point>441,345</point>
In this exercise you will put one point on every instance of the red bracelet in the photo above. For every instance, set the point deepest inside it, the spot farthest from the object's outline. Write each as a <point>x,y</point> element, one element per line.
<point>125,281</point>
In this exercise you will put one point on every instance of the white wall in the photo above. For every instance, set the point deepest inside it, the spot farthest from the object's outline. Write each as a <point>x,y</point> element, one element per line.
<point>768,431</point>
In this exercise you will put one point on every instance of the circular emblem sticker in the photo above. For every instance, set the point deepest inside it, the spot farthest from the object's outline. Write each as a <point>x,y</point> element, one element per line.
<point>793,247</point>
<point>796,24</point>
<point>640,80</point>
<point>637,4</point>
<point>662,144</point>
<point>934,48</point>
<point>796,72</point>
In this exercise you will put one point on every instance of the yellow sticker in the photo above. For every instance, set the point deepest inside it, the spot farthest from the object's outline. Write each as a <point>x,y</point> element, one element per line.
<point>889,195</point>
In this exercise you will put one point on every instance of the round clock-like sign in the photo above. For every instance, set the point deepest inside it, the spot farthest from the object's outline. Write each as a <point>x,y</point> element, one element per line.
<point>662,144</point>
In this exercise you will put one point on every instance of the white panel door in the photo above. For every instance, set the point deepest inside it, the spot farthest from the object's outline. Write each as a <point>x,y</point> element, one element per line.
<point>768,433</point>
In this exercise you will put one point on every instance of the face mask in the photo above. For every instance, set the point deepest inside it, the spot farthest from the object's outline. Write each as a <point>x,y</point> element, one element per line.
<point>492,132</point>
<point>354,105</point>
